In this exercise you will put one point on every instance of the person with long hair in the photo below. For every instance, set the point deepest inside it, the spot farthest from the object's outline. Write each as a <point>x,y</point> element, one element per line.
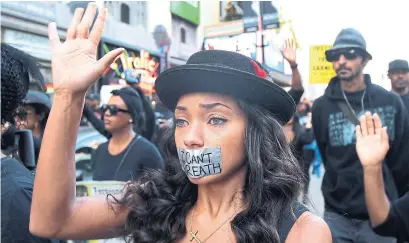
<point>388,218</point>
<point>229,176</point>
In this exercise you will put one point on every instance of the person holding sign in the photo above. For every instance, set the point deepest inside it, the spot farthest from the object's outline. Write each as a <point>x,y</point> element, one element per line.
<point>372,144</point>
<point>334,117</point>
<point>229,176</point>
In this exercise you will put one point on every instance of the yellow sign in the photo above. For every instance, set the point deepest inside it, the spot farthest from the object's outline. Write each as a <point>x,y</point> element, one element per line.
<point>321,71</point>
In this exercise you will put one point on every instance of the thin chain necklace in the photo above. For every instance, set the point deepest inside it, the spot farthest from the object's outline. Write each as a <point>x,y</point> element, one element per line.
<point>349,105</point>
<point>194,234</point>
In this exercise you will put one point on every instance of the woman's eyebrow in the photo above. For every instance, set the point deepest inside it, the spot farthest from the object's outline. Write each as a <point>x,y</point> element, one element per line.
<point>205,106</point>
<point>213,105</point>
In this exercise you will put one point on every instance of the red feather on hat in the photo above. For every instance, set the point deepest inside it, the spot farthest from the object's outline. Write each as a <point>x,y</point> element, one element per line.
<point>259,71</point>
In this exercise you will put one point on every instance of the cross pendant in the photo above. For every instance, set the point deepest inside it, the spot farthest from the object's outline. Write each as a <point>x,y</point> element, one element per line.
<point>194,237</point>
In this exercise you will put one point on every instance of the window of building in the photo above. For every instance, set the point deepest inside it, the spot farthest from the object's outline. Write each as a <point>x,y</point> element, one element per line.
<point>125,13</point>
<point>182,35</point>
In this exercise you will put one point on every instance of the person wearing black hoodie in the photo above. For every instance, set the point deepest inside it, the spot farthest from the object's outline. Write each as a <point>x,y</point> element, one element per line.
<point>334,117</point>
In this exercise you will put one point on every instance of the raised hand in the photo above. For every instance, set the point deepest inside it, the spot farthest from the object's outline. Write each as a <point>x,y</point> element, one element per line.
<point>372,141</point>
<point>211,47</point>
<point>290,52</point>
<point>74,64</point>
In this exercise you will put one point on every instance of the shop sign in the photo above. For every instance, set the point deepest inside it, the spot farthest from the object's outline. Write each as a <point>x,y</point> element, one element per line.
<point>131,66</point>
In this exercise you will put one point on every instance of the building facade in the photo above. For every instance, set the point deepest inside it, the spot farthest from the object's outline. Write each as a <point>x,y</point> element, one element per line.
<point>185,24</point>
<point>24,25</point>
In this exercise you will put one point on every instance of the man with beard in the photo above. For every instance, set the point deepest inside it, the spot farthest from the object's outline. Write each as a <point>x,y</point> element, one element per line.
<point>334,117</point>
<point>398,73</point>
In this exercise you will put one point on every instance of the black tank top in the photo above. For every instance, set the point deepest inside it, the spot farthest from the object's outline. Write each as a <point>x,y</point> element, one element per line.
<point>289,220</point>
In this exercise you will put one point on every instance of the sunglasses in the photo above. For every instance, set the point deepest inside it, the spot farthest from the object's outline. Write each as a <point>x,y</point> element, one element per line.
<point>113,109</point>
<point>350,54</point>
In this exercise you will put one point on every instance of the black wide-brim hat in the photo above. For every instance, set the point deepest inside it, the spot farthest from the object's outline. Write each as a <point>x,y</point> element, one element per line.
<point>228,73</point>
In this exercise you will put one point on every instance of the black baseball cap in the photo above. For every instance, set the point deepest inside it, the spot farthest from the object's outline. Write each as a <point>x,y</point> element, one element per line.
<point>398,64</point>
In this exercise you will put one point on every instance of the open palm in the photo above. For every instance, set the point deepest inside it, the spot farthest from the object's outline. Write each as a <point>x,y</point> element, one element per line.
<point>290,51</point>
<point>74,63</point>
<point>372,142</point>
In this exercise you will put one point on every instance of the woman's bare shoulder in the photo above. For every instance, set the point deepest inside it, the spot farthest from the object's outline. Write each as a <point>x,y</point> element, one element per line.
<point>309,228</point>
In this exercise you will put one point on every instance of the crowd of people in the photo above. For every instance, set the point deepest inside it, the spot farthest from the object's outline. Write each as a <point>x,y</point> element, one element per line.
<point>233,165</point>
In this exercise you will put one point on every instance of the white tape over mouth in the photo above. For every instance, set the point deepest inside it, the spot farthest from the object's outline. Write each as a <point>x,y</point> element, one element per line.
<point>197,163</point>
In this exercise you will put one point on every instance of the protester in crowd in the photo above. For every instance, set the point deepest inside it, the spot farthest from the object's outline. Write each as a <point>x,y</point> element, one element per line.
<point>227,157</point>
<point>16,180</point>
<point>334,117</point>
<point>127,154</point>
<point>298,136</point>
<point>147,129</point>
<point>150,118</point>
<point>398,73</point>
<point>308,152</point>
<point>298,128</point>
<point>94,102</point>
<point>304,116</point>
<point>387,218</point>
<point>290,55</point>
<point>304,107</point>
<point>36,109</point>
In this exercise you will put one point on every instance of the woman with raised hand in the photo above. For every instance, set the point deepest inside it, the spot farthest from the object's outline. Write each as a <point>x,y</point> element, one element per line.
<point>387,218</point>
<point>229,176</point>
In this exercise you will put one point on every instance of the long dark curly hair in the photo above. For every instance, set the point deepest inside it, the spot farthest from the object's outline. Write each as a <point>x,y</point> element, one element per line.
<point>158,209</point>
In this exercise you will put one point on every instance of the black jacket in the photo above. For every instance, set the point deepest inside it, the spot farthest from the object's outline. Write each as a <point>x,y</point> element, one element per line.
<point>397,223</point>
<point>16,193</point>
<point>342,186</point>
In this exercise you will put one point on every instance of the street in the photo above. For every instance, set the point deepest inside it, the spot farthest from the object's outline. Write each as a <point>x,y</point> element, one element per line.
<point>316,200</point>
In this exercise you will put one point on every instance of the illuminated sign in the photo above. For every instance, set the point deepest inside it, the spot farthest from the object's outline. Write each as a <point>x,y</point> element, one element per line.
<point>138,67</point>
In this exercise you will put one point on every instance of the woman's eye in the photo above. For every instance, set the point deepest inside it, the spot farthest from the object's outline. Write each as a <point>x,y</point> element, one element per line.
<point>180,122</point>
<point>217,121</point>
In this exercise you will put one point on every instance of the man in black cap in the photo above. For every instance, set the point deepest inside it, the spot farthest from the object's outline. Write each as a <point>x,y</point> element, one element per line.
<point>398,73</point>
<point>334,116</point>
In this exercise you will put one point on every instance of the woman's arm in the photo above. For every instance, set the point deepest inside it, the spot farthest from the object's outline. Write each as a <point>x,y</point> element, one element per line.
<point>375,196</point>
<point>372,146</point>
<point>55,210</point>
